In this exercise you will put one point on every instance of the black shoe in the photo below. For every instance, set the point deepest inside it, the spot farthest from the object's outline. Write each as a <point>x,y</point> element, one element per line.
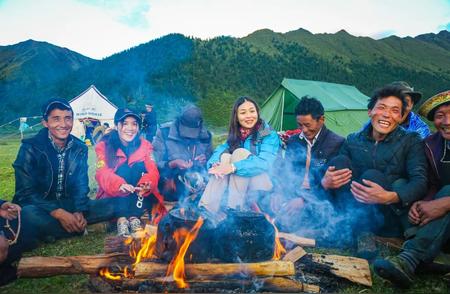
<point>395,270</point>
<point>8,274</point>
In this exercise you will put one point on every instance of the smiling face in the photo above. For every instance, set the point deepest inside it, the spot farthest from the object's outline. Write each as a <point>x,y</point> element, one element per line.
<point>59,123</point>
<point>247,115</point>
<point>385,116</point>
<point>442,121</point>
<point>127,129</point>
<point>309,126</point>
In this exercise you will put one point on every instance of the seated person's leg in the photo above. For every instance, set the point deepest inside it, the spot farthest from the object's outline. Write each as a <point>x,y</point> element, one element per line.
<point>212,196</point>
<point>45,227</point>
<point>238,186</point>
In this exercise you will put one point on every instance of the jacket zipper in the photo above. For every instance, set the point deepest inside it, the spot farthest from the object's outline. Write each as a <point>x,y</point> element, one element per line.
<point>374,151</point>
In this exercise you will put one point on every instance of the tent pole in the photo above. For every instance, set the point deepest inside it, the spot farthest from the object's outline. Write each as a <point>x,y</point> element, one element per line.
<point>282,110</point>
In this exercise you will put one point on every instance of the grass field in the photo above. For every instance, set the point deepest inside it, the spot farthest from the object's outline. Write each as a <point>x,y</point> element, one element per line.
<point>93,244</point>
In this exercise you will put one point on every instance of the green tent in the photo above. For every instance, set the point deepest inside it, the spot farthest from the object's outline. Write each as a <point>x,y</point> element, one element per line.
<point>345,106</point>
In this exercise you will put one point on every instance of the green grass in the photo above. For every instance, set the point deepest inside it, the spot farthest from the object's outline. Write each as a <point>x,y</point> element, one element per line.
<point>93,244</point>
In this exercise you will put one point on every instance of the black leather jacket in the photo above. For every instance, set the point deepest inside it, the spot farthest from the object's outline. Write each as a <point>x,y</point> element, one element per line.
<point>34,175</point>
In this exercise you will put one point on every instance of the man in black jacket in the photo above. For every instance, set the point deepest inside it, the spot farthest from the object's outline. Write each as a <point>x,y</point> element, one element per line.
<point>51,175</point>
<point>388,168</point>
<point>306,160</point>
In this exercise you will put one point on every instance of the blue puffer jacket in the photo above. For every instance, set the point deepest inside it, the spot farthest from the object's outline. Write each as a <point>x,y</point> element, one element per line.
<point>264,151</point>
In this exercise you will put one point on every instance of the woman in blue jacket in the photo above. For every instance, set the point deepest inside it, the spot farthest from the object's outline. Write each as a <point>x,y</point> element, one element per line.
<point>243,162</point>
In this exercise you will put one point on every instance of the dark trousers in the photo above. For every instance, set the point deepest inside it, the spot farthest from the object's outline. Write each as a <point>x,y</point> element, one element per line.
<point>133,205</point>
<point>428,240</point>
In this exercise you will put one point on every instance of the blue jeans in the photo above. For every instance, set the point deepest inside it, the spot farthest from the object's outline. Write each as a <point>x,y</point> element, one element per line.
<point>429,239</point>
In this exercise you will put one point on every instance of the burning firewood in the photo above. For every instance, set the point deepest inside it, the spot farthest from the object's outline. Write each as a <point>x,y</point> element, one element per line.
<point>277,284</point>
<point>295,254</point>
<point>351,268</point>
<point>208,270</point>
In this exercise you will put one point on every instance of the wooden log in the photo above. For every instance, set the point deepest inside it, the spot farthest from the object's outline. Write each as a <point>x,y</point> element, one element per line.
<point>115,244</point>
<point>351,268</point>
<point>208,270</point>
<point>295,254</point>
<point>286,285</point>
<point>301,241</point>
<point>277,284</point>
<point>39,266</point>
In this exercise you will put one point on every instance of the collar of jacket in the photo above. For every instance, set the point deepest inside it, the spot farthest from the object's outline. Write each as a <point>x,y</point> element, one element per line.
<point>398,132</point>
<point>435,143</point>
<point>144,149</point>
<point>322,134</point>
<point>174,134</point>
<point>263,131</point>
<point>42,140</point>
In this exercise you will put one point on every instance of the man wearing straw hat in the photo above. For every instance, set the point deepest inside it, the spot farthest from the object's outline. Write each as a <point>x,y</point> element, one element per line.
<point>430,216</point>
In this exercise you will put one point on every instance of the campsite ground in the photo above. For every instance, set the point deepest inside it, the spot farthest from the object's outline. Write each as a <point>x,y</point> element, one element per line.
<point>93,244</point>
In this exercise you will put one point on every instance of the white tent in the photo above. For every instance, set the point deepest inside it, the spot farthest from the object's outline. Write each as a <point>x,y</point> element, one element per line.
<point>91,104</point>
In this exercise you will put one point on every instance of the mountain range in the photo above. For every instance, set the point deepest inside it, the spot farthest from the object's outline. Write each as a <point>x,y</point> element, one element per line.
<point>175,70</point>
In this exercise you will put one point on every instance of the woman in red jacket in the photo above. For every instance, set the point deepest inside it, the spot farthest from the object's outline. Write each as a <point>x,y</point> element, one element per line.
<point>125,168</point>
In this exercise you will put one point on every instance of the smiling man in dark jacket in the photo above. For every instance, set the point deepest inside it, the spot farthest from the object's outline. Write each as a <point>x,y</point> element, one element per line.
<point>51,175</point>
<point>431,215</point>
<point>303,167</point>
<point>388,167</point>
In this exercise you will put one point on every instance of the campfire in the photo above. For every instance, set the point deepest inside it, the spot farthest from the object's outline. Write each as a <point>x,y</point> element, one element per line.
<point>186,250</point>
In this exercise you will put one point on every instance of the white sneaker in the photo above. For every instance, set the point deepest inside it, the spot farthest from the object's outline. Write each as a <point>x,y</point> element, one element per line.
<point>122,227</point>
<point>135,224</point>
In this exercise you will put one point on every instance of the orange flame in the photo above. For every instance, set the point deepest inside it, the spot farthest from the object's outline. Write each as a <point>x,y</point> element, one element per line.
<point>279,249</point>
<point>176,266</point>
<point>147,249</point>
<point>104,272</point>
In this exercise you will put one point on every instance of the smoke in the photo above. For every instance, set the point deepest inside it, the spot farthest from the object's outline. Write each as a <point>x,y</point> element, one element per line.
<point>332,218</point>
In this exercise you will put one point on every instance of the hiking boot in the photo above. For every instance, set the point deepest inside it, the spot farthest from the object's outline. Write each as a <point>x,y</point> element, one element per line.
<point>366,246</point>
<point>122,228</point>
<point>395,270</point>
<point>135,224</point>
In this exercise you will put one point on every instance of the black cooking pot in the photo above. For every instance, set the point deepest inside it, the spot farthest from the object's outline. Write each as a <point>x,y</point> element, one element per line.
<point>244,237</point>
<point>166,246</point>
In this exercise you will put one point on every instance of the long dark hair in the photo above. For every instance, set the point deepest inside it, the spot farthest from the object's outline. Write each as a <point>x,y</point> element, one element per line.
<point>234,140</point>
<point>113,143</point>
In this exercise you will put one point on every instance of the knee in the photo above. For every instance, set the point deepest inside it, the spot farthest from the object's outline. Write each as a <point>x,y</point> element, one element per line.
<point>225,157</point>
<point>239,154</point>
<point>340,162</point>
<point>443,192</point>
<point>31,214</point>
<point>375,176</point>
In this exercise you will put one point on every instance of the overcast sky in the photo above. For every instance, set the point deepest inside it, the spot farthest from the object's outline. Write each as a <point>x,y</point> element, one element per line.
<point>99,28</point>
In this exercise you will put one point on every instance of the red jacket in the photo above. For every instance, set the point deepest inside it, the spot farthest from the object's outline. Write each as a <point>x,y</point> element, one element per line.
<point>109,182</point>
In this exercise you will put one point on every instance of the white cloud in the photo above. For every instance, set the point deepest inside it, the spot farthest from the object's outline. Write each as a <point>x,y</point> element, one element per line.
<point>98,28</point>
